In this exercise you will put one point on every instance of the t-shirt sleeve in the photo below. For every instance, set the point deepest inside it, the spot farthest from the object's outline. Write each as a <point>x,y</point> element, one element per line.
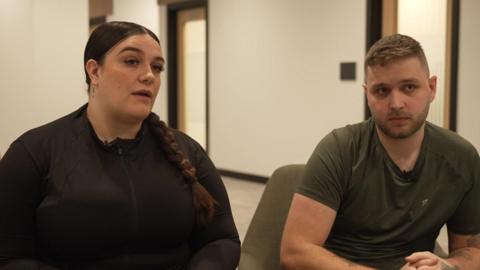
<point>323,178</point>
<point>466,219</point>
<point>215,246</point>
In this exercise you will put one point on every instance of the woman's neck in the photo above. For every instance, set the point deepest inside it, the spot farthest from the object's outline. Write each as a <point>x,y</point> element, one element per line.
<point>108,127</point>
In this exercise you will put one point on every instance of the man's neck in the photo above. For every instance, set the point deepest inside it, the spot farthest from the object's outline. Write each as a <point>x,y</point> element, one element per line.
<point>404,152</point>
<point>110,128</point>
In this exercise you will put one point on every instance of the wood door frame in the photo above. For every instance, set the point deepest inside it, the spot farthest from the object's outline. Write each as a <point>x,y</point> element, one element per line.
<point>374,33</point>
<point>172,64</point>
<point>184,16</point>
<point>451,63</point>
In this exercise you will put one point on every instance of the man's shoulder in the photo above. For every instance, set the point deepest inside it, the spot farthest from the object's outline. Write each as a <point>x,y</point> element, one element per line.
<point>354,133</point>
<point>348,143</point>
<point>449,143</point>
<point>452,151</point>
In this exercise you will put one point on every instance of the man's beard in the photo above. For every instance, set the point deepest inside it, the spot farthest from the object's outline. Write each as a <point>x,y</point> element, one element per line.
<point>417,122</point>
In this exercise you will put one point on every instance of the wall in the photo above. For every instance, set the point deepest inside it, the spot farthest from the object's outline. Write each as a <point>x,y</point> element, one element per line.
<point>274,88</point>
<point>274,78</point>
<point>42,51</point>
<point>432,35</point>
<point>468,124</point>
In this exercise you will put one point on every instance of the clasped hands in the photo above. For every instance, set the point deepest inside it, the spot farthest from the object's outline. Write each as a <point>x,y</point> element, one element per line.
<point>427,261</point>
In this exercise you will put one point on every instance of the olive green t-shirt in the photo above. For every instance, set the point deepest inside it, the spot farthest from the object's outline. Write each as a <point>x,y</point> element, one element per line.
<point>384,214</point>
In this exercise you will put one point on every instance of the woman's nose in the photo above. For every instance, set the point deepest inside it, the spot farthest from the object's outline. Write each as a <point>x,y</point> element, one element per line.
<point>147,75</point>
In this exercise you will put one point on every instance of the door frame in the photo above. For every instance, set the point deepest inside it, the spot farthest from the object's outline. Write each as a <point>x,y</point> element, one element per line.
<point>172,64</point>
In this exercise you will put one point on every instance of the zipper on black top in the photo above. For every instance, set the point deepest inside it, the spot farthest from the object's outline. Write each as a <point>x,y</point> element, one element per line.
<point>132,190</point>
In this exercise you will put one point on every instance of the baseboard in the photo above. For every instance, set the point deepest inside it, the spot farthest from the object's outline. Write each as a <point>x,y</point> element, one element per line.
<point>243,176</point>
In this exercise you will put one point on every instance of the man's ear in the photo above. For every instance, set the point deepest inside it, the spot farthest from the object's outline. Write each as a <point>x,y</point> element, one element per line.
<point>367,97</point>
<point>432,85</point>
<point>93,69</point>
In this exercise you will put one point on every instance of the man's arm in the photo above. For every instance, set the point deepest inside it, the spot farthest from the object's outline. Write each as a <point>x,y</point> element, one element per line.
<point>464,255</point>
<point>464,250</point>
<point>307,227</point>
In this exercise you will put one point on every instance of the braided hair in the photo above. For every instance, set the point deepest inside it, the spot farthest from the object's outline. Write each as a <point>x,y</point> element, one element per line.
<point>102,39</point>
<point>203,202</point>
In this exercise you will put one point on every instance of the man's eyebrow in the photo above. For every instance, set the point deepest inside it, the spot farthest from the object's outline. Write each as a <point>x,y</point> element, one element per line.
<point>409,80</point>
<point>137,50</point>
<point>377,85</point>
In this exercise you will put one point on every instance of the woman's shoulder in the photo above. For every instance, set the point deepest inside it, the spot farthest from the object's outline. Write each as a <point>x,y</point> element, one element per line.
<point>186,141</point>
<point>52,130</point>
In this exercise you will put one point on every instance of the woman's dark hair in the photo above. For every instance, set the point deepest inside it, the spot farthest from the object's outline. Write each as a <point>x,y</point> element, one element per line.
<point>203,202</point>
<point>102,39</point>
<point>107,35</point>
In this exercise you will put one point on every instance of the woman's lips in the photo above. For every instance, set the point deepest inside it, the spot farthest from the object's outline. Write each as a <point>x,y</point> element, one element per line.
<point>144,93</point>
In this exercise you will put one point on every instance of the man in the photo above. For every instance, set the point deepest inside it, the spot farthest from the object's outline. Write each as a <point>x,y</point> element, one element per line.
<point>375,194</point>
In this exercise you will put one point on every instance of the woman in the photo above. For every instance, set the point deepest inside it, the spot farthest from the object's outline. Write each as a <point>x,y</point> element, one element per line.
<point>110,186</point>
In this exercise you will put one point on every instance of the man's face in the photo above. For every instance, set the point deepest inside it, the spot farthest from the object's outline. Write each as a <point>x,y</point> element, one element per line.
<point>399,96</point>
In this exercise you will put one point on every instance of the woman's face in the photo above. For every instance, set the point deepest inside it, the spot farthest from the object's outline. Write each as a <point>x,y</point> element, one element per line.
<point>126,83</point>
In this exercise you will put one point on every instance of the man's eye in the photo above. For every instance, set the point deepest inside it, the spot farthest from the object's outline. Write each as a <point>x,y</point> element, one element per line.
<point>131,62</point>
<point>381,91</point>
<point>409,88</point>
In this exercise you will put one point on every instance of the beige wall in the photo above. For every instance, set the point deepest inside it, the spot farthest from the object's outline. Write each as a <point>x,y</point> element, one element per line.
<point>274,78</point>
<point>42,75</point>
<point>274,64</point>
<point>431,33</point>
<point>468,72</point>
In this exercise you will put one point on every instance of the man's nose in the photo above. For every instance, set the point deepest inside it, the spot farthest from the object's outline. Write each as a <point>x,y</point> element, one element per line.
<point>397,99</point>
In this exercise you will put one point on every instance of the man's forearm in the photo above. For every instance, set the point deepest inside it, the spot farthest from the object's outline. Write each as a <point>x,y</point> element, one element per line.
<point>318,258</point>
<point>467,258</point>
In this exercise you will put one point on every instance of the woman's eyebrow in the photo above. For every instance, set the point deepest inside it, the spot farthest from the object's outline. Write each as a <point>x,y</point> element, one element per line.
<point>137,50</point>
<point>130,48</point>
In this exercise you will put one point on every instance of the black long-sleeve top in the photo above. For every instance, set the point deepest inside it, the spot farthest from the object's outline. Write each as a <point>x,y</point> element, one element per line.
<point>68,201</point>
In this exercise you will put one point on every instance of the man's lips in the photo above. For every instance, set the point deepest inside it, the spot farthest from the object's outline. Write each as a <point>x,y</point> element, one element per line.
<point>399,118</point>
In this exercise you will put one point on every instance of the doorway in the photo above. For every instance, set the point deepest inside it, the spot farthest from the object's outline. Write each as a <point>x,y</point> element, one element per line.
<point>188,91</point>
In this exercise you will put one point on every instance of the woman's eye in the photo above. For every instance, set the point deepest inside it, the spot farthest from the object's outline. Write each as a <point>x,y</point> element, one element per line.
<point>131,62</point>
<point>158,67</point>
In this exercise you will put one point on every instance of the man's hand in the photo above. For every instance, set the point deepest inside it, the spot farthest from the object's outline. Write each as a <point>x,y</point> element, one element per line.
<point>407,266</point>
<point>427,261</point>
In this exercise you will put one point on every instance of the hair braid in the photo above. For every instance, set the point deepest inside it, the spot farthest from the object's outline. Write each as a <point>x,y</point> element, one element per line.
<point>203,202</point>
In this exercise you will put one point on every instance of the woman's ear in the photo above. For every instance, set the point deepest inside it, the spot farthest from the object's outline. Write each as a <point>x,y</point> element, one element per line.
<point>92,68</point>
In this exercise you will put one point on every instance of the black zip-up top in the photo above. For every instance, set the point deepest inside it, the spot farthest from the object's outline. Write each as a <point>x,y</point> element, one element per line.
<point>69,201</point>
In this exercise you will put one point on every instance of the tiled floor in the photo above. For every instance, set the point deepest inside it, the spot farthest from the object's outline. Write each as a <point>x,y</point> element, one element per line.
<point>244,197</point>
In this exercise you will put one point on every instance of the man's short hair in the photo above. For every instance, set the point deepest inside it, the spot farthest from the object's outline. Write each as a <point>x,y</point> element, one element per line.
<point>392,48</point>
